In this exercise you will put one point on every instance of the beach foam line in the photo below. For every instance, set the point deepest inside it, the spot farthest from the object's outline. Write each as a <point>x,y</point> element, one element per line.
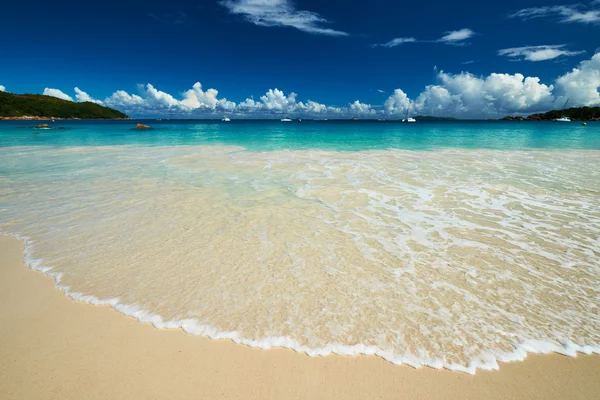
<point>486,361</point>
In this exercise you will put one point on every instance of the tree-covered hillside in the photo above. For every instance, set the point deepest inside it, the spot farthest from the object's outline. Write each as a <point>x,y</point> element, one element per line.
<point>37,105</point>
<point>576,114</point>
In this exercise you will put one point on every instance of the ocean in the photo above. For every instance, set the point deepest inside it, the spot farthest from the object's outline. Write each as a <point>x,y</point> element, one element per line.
<point>443,244</point>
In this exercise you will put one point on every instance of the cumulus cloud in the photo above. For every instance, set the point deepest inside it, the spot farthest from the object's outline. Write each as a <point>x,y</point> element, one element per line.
<point>152,100</point>
<point>574,13</point>
<point>2,88</point>
<point>122,99</point>
<point>82,96</point>
<point>314,107</point>
<point>396,42</point>
<point>457,37</point>
<point>397,103</point>
<point>275,101</point>
<point>358,108</point>
<point>581,86</point>
<point>157,97</point>
<point>250,105</point>
<point>280,13</point>
<point>538,53</point>
<point>278,101</point>
<point>57,93</point>
<point>454,94</point>
<point>467,95</point>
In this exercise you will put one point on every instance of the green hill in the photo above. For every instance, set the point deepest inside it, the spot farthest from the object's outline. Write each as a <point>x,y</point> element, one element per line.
<point>17,106</point>
<point>576,114</point>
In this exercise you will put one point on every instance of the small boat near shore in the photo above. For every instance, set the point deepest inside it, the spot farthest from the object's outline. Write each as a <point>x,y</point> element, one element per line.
<point>408,119</point>
<point>286,119</point>
<point>563,118</point>
<point>226,119</point>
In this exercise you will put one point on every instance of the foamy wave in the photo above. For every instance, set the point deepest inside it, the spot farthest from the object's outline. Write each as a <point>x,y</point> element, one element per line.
<point>487,361</point>
<point>456,259</point>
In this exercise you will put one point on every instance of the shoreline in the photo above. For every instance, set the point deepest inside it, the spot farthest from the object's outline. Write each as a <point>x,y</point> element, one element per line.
<point>55,347</point>
<point>191,327</point>
<point>37,118</point>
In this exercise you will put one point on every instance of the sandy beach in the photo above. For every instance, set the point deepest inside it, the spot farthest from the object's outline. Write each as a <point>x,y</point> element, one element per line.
<point>55,348</point>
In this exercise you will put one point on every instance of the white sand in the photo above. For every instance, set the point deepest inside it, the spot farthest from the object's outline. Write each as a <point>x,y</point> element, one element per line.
<point>52,347</point>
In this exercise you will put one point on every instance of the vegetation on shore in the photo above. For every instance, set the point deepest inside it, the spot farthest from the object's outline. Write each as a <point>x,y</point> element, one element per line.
<point>25,106</point>
<point>576,114</point>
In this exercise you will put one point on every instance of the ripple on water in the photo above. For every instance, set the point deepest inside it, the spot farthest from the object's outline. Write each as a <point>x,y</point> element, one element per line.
<point>451,259</point>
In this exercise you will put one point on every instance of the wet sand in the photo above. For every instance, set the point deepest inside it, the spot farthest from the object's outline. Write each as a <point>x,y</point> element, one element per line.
<point>52,347</point>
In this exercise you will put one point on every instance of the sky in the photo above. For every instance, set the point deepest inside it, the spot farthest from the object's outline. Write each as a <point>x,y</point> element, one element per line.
<point>314,58</point>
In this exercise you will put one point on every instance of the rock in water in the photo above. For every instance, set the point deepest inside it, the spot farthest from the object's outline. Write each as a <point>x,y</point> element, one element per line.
<point>42,126</point>
<point>142,126</point>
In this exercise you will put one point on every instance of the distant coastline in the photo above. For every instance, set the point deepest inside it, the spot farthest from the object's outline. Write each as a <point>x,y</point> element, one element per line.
<point>575,114</point>
<point>29,107</point>
<point>40,118</point>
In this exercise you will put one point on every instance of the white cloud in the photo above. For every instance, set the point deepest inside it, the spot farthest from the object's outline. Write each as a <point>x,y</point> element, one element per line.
<point>250,105</point>
<point>538,53</point>
<point>225,105</point>
<point>82,96</point>
<point>466,95</point>
<point>57,93</point>
<point>359,108</point>
<point>397,103</point>
<point>278,101</point>
<point>151,100</point>
<point>314,107</point>
<point>2,88</point>
<point>581,85</point>
<point>457,37</point>
<point>460,95</point>
<point>381,91</point>
<point>122,99</point>
<point>158,98</point>
<point>574,13</point>
<point>280,13</point>
<point>197,98</point>
<point>396,42</point>
<point>437,100</point>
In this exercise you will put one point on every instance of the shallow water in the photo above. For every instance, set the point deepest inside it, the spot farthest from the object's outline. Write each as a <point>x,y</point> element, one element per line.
<point>455,257</point>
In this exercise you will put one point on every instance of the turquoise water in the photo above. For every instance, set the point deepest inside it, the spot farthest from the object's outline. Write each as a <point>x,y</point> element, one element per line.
<point>329,135</point>
<point>450,244</point>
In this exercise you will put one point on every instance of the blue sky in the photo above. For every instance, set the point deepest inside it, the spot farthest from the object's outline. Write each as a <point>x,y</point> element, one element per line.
<point>370,59</point>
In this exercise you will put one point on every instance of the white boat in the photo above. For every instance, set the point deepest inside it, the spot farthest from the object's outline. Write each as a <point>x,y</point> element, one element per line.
<point>408,119</point>
<point>563,118</point>
<point>286,119</point>
<point>225,119</point>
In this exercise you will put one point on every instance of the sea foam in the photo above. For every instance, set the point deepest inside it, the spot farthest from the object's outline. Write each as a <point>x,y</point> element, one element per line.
<point>455,260</point>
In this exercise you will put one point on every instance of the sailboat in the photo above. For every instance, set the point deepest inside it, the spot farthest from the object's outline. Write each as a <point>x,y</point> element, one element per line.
<point>408,119</point>
<point>226,119</point>
<point>564,118</point>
